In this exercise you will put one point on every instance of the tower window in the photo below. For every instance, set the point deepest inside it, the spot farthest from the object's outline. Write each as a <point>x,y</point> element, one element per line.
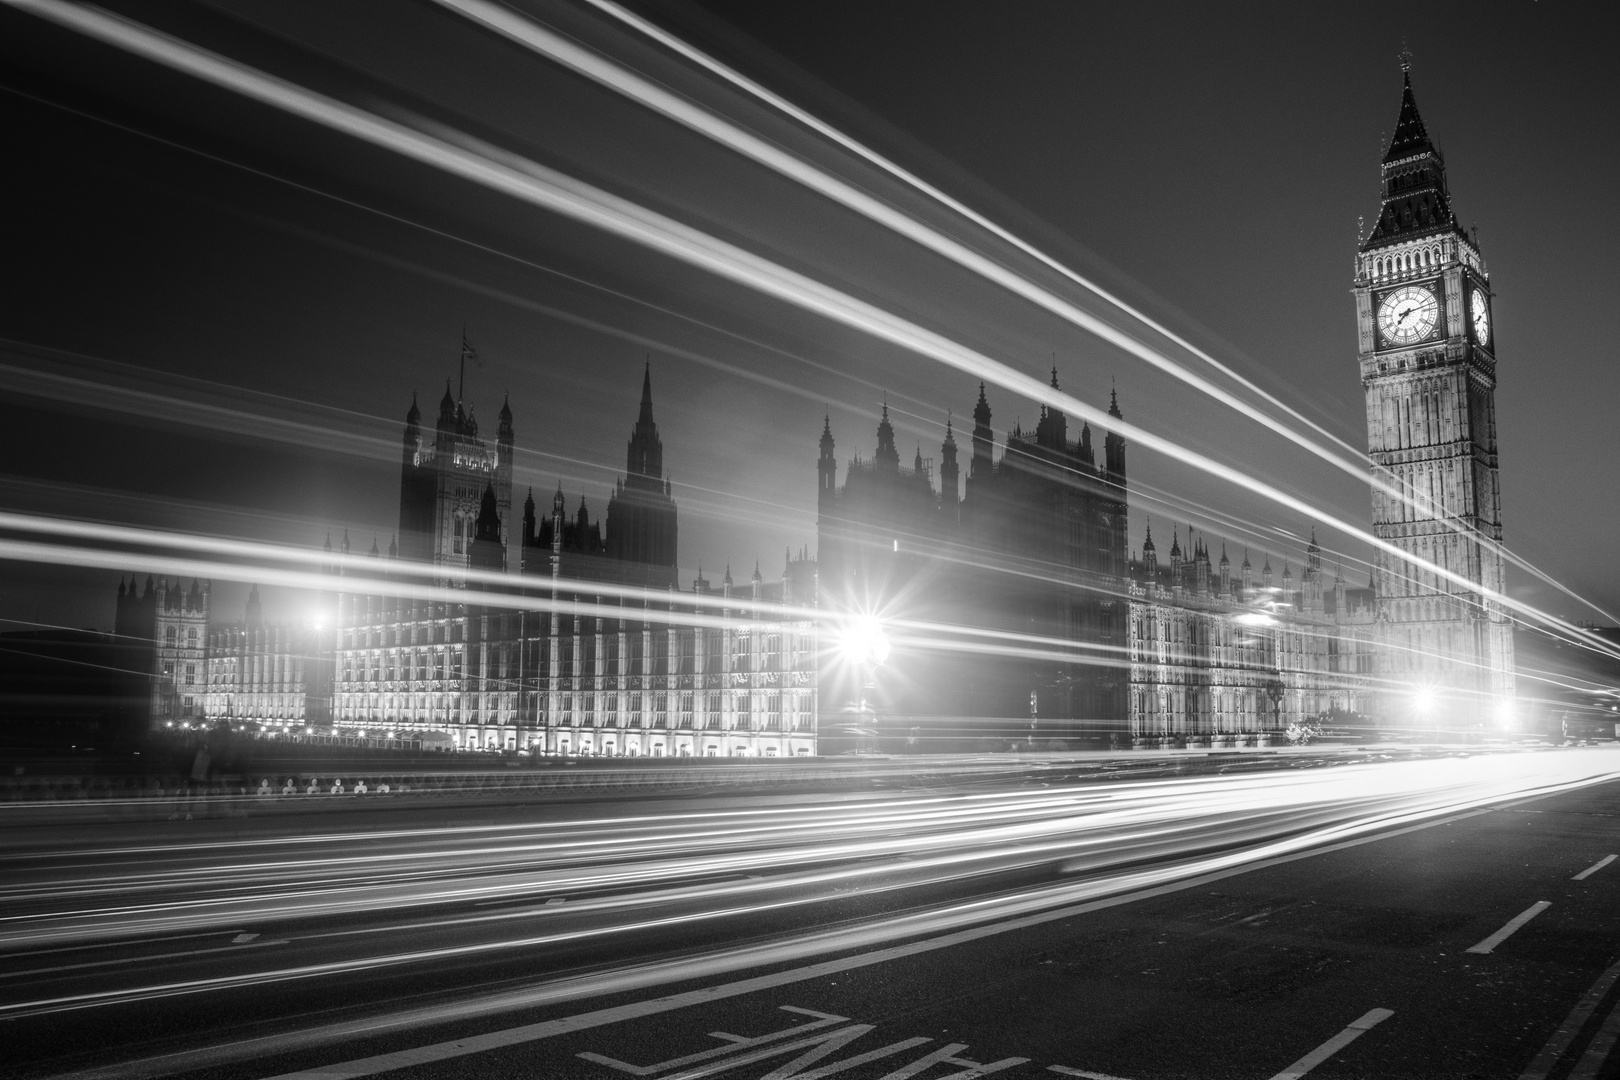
<point>460,535</point>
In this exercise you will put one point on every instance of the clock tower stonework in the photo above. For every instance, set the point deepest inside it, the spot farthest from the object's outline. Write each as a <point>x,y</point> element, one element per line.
<point>1427,349</point>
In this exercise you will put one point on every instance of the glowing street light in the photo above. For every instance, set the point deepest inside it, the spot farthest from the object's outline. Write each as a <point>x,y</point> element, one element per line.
<point>862,641</point>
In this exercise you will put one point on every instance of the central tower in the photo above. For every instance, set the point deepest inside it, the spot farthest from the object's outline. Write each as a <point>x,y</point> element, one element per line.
<point>1427,351</point>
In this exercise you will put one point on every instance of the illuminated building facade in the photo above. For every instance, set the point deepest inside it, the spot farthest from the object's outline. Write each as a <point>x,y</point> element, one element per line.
<point>603,655</point>
<point>1032,553</point>
<point>277,674</point>
<point>1427,351</point>
<point>442,481</point>
<point>165,627</point>
<point>1216,658</point>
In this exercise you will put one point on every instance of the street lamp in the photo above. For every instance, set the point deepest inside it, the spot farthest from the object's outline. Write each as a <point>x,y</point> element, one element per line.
<point>1274,690</point>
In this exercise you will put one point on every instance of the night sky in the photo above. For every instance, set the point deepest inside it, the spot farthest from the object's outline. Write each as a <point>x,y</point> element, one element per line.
<point>214,316</point>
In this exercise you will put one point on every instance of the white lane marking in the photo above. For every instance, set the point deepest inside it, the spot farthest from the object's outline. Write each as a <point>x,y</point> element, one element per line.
<point>495,1040</point>
<point>243,938</point>
<point>1542,1064</point>
<point>141,959</point>
<point>1598,1050</point>
<point>1066,1071</point>
<point>629,980</point>
<point>1350,1034</point>
<point>1511,928</point>
<point>1594,868</point>
<point>744,1042</point>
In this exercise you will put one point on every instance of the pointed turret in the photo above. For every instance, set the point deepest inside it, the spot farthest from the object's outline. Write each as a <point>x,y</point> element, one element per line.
<point>447,410</point>
<point>984,439</point>
<point>255,609</point>
<point>949,489</point>
<point>1114,444</point>
<point>645,455</point>
<point>1052,430</point>
<point>488,525</point>
<point>826,468</point>
<point>887,457</point>
<point>1150,556</point>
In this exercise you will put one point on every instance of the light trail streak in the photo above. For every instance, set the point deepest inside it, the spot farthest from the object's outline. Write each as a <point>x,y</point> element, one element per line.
<point>528,181</point>
<point>359,576</point>
<point>1100,842</point>
<point>558,48</point>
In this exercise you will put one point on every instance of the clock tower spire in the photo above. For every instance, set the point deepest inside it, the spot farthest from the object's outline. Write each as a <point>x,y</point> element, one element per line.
<point>1427,353</point>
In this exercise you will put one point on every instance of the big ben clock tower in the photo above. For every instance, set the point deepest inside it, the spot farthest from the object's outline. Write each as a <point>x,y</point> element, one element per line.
<point>1427,348</point>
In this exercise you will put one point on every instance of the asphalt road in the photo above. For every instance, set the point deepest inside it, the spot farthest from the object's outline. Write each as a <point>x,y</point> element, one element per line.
<point>1215,926</point>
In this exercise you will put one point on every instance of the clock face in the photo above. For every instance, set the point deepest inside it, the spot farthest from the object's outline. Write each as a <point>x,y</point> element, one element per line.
<point>1481,315</point>
<point>1408,314</point>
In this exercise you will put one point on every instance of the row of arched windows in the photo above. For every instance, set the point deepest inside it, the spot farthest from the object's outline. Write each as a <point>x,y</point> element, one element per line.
<point>1406,262</point>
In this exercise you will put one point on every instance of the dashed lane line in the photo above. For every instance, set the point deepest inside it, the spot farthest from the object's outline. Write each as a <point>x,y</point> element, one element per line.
<point>1512,927</point>
<point>1356,1029</point>
<point>1594,868</point>
<point>1066,1071</point>
<point>620,982</point>
<point>1542,1064</point>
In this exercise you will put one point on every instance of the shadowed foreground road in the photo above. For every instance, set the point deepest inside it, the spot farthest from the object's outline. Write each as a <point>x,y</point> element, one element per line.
<point>1317,918</point>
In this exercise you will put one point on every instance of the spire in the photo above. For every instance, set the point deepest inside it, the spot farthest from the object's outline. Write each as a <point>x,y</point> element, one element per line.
<point>1246,559</point>
<point>1147,545</point>
<point>504,431</point>
<point>645,455</point>
<point>393,546</point>
<point>917,461</point>
<point>950,438</point>
<point>981,411</point>
<point>1113,403</point>
<point>414,417</point>
<point>1175,543</point>
<point>488,525</point>
<point>1054,377</point>
<point>1225,562</point>
<point>374,552</point>
<point>1411,138</point>
<point>826,436</point>
<point>1416,199</point>
<point>886,452</point>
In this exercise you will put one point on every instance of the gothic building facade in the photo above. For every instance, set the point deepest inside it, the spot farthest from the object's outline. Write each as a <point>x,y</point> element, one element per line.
<point>443,476</point>
<point>589,646</point>
<point>1220,658</point>
<point>165,632</point>
<point>1029,550</point>
<point>277,674</point>
<point>1427,351</point>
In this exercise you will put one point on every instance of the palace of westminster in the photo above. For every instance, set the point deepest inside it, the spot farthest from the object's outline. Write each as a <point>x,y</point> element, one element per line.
<point>559,633</point>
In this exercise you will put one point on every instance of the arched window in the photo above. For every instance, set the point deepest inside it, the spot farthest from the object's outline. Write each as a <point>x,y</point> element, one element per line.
<point>169,637</point>
<point>191,638</point>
